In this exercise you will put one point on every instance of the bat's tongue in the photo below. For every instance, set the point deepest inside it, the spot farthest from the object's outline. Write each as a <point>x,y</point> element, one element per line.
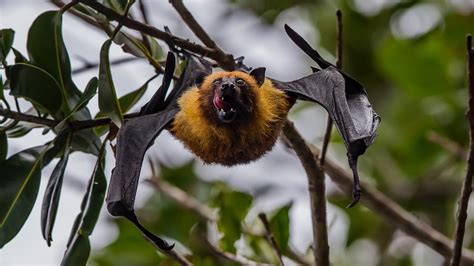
<point>220,104</point>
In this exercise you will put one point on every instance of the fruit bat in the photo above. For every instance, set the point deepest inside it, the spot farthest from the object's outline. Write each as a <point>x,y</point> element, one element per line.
<point>234,118</point>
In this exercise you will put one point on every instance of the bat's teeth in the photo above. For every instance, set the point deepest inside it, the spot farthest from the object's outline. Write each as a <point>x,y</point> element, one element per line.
<point>232,109</point>
<point>222,98</point>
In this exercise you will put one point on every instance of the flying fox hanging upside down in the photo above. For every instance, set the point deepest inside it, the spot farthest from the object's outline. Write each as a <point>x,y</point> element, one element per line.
<point>231,118</point>
<point>234,118</point>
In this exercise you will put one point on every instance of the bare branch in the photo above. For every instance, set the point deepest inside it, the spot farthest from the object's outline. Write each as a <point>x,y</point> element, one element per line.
<point>183,199</point>
<point>27,118</point>
<point>88,66</point>
<point>269,236</point>
<point>229,256</point>
<point>467,185</point>
<point>214,54</point>
<point>327,134</point>
<point>317,192</point>
<point>447,144</point>
<point>78,14</point>
<point>297,258</point>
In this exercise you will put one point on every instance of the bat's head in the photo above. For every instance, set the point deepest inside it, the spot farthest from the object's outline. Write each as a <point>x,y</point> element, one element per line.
<point>229,97</point>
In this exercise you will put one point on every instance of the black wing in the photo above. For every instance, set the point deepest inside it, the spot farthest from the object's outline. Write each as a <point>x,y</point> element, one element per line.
<point>345,100</point>
<point>135,137</point>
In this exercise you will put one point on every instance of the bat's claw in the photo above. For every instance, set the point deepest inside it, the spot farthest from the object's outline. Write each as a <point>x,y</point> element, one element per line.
<point>166,246</point>
<point>355,198</point>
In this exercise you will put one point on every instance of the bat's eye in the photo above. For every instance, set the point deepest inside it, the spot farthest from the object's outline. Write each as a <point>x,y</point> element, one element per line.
<point>240,82</point>
<point>216,82</point>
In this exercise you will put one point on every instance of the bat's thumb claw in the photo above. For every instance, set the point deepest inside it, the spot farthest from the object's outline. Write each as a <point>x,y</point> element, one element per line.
<point>166,246</point>
<point>355,198</point>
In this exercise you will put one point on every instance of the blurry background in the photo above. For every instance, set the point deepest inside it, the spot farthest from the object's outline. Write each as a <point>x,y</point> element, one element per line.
<point>410,55</point>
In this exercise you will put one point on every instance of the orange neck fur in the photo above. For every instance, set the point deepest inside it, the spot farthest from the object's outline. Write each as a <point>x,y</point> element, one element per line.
<point>231,144</point>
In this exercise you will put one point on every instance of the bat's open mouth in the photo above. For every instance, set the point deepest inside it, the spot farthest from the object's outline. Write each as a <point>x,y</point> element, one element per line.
<point>226,110</point>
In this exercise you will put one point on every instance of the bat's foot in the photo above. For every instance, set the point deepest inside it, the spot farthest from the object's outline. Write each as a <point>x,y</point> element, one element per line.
<point>355,198</point>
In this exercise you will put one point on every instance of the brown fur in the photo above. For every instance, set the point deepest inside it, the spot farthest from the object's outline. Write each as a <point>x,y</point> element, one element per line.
<point>253,132</point>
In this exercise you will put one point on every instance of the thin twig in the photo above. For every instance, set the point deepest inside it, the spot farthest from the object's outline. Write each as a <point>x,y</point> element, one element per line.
<point>327,134</point>
<point>448,144</point>
<point>87,66</point>
<point>218,56</point>
<point>229,256</point>
<point>269,236</point>
<point>467,185</point>
<point>293,255</point>
<point>78,14</point>
<point>183,199</point>
<point>27,118</point>
<point>317,193</point>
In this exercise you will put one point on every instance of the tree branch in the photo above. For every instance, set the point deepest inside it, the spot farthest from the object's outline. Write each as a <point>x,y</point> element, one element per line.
<point>88,65</point>
<point>75,125</point>
<point>183,199</point>
<point>188,18</point>
<point>447,144</point>
<point>27,118</point>
<point>269,236</point>
<point>229,256</point>
<point>214,54</point>
<point>317,192</point>
<point>467,185</point>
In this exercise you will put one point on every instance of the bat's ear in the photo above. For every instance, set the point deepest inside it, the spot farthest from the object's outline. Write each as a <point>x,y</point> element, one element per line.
<point>199,77</point>
<point>259,75</point>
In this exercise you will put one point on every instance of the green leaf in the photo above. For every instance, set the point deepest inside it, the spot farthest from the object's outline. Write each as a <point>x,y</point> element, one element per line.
<point>79,251</point>
<point>2,95</point>
<point>78,248</point>
<point>37,86</point>
<point>156,50</point>
<point>89,92</point>
<point>19,184</point>
<point>52,194</point>
<point>6,41</point>
<point>46,50</point>
<point>126,103</point>
<point>233,207</point>
<point>3,146</point>
<point>19,57</point>
<point>108,102</point>
<point>135,47</point>
<point>280,226</point>
<point>117,5</point>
